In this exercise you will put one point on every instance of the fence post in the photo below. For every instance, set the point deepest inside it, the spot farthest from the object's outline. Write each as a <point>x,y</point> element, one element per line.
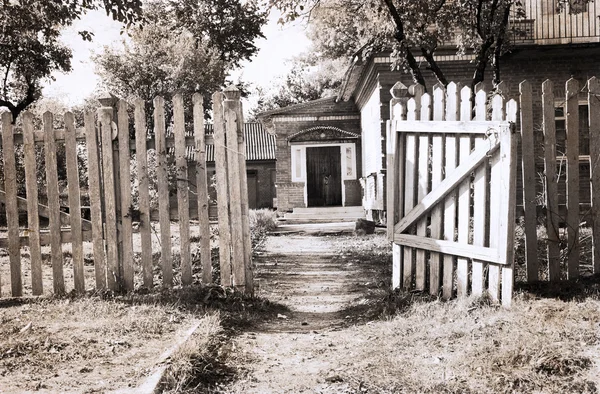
<point>109,100</point>
<point>105,119</point>
<point>244,200</point>
<point>222,190</point>
<point>95,187</point>
<point>232,96</point>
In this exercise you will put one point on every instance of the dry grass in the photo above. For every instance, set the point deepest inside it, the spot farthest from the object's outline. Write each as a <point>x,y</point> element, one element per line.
<point>538,346</point>
<point>87,344</point>
<point>206,362</point>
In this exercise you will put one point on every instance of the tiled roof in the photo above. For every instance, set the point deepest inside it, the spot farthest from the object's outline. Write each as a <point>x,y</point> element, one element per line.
<point>260,145</point>
<point>328,105</point>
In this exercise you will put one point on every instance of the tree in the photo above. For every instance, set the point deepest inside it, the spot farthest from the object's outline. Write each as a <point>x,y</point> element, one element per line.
<point>408,27</point>
<point>310,78</point>
<point>185,46</point>
<point>30,49</point>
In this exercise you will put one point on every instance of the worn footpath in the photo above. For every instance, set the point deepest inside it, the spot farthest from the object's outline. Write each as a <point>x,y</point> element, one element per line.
<point>303,350</point>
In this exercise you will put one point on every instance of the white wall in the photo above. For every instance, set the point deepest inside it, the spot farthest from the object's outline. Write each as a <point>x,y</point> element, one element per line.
<point>370,119</point>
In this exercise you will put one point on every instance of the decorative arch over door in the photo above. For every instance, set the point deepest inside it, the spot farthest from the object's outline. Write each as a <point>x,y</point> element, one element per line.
<point>322,134</point>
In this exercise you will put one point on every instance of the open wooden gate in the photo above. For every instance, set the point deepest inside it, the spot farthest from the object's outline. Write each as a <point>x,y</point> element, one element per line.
<point>451,192</point>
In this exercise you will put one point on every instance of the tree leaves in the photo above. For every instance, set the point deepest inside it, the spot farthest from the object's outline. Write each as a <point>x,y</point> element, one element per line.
<point>30,49</point>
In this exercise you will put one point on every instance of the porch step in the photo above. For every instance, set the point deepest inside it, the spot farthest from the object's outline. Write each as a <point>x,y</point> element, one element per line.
<point>325,215</point>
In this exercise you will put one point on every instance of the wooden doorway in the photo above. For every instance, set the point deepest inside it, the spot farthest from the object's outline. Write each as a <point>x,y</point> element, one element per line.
<point>323,176</point>
<point>252,177</point>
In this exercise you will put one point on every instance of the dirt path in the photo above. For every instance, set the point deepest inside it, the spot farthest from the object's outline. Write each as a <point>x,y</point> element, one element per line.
<point>303,350</point>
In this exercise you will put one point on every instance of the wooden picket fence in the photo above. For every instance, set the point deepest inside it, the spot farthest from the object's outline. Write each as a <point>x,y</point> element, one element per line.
<point>112,224</point>
<point>562,257</point>
<point>451,192</point>
<point>452,188</point>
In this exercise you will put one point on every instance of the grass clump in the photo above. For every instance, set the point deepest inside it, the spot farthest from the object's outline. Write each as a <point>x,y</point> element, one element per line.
<point>204,363</point>
<point>262,221</point>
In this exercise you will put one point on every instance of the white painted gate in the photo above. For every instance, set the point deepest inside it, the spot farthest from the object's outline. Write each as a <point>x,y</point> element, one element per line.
<point>451,192</point>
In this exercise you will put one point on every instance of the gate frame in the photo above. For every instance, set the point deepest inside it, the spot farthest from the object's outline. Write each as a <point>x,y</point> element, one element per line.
<point>412,115</point>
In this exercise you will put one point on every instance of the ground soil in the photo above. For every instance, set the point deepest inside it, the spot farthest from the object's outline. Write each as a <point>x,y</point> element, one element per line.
<point>303,349</point>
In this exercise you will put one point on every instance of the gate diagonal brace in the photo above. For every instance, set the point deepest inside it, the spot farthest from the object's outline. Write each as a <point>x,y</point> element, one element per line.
<point>436,195</point>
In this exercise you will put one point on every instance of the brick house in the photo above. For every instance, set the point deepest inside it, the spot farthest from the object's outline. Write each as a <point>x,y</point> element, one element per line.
<point>318,143</point>
<point>550,44</point>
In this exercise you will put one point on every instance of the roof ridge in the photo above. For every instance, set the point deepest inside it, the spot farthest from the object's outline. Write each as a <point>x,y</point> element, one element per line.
<point>297,106</point>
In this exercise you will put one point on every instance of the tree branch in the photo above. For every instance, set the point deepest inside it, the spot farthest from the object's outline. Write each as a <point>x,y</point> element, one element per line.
<point>401,38</point>
<point>439,74</point>
<point>498,46</point>
<point>482,60</point>
<point>30,97</point>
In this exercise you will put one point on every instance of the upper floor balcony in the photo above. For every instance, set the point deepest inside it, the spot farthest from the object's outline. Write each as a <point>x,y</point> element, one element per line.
<point>552,22</point>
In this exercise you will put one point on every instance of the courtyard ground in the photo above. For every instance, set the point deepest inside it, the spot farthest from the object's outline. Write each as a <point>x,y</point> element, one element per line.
<point>339,334</point>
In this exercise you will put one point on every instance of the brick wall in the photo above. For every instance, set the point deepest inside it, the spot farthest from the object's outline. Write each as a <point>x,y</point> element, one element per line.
<point>353,192</point>
<point>290,195</point>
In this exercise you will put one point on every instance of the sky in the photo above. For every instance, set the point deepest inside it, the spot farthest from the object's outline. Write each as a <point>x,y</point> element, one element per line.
<point>280,44</point>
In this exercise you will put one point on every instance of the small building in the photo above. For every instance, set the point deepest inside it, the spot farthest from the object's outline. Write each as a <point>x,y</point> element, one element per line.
<point>260,166</point>
<point>318,144</point>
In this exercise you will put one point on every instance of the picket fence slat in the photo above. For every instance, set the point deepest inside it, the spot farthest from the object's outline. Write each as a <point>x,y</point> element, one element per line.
<point>145,226</point>
<point>56,255</point>
<point>572,154</point>
<point>126,233</point>
<point>183,204</point>
<point>241,149</point>
<point>452,112</point>
<point>74,202</point>
<point>223,197</point>
<point>95,200</point>
<point>12,209</point>
<point>464,190</point>
<point>396,198</point>
<point>508,158</point>
<point>410,173</point>
<point>33,220</point>
<point>480,217</point>
<point>166,256</point>
<point>202,189</point>
<point>551,184</point>
<point>437,173</point>
<point>529,182</point>
<point>594,114</point>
